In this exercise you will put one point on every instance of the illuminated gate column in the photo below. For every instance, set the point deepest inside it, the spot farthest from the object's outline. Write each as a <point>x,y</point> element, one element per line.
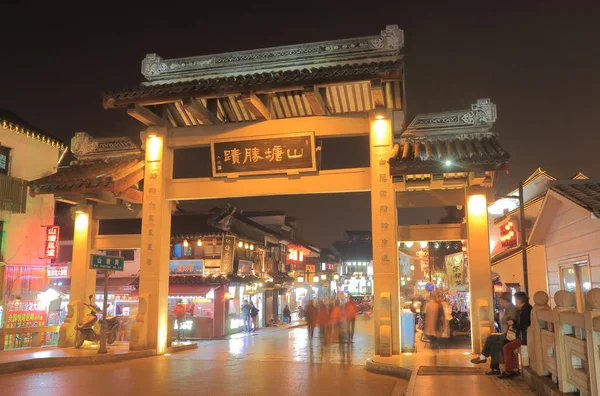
<point>150,328</point>
<point>480,270</point>
<point>384,231</point>
<point>83,279</point>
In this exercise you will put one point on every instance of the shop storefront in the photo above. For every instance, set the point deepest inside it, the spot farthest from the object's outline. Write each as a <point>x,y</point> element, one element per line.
<point>204,306</point>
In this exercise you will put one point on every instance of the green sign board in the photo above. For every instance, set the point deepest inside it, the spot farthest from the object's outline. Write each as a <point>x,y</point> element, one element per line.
<point>109,263</point>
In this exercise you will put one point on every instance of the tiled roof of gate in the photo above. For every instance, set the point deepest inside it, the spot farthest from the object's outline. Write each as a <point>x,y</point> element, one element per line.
<point>257,81</point>
<point>585,193</point>
<point>93,175</point>
<point>429,155</point>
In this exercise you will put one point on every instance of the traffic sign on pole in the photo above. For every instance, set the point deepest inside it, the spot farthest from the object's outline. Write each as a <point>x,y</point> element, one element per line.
<point>109,263</point>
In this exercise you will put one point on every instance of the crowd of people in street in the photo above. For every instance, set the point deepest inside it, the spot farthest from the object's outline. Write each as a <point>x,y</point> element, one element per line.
<point>336,322</point>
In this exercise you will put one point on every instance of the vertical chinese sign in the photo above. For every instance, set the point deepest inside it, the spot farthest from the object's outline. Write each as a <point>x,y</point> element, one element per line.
<point>268,155</point>
<point>51,242</point>
<point>227,254</point>
<point>455,270</point>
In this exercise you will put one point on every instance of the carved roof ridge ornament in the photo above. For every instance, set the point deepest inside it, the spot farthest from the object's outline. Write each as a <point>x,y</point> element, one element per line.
<point>482,114</point>
<point>382,47</point>
<point>86,148</point>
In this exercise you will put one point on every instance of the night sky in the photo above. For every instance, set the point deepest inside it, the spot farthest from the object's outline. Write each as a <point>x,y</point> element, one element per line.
<point>537,60</point>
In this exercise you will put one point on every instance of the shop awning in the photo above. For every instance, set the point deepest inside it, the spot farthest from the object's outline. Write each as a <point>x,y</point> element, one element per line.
<point>190,290</point>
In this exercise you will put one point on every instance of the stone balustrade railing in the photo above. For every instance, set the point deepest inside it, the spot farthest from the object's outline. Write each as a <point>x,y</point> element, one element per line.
<point>565,344</point>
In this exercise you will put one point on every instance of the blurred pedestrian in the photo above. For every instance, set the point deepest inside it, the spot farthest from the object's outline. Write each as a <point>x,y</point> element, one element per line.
<point>254,315</point>
<point>350,311</point>
<point>179,312</point>
<point>432,311</point>
<point>310,313</point>
<point>336,318</point>
<point>246,315</point>
<point>323,322</point>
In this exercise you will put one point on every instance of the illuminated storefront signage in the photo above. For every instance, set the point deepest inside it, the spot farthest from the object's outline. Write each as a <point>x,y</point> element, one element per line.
<point>58,272</point>
<point>269,155</point>
<point>227,254</point>
<point>186,267</point>
<point>508,235</point>
<point>51,242</point>
<point>21,313</point>
<point>455,270</point>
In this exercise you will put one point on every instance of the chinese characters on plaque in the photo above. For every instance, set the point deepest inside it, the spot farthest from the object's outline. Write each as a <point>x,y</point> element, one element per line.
<point>51,242</point>
<point>227,254</point>
<point>455,270</point>
<point>277,154</point>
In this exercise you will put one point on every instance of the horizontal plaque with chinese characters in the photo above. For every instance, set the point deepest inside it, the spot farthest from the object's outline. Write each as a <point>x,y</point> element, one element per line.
<point>264,155</point>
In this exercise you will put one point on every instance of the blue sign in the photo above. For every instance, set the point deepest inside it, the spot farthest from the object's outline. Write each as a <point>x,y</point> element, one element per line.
<point>186,267</point>
<point>429,287</point>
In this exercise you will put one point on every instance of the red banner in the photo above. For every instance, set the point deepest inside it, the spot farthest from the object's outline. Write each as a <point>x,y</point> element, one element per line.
<point>51,242</point>
<point>21,313</point>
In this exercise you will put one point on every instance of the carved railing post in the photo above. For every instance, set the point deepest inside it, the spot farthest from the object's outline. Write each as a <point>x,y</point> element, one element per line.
<point>67,332</point>
<point>139,331</point>
<point>565,302</point>
<point>534,333</point>
<point>592,335</point>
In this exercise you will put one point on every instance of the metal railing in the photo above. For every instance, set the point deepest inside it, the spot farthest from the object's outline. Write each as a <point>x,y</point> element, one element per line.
<point>565,344</point>
<point>13,194</point>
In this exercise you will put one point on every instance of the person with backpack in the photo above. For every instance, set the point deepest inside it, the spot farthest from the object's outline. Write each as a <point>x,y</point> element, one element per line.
<point>254,315</point>
<point>246,308</point>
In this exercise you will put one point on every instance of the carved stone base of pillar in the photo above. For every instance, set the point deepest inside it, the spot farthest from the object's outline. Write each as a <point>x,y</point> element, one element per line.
<point>67,332</point>
<point>385,340</point>
<point>139,331</point>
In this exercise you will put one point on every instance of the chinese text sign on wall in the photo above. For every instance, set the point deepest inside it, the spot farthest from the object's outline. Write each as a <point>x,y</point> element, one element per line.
<point>267,155</point>
<point>51,242</point>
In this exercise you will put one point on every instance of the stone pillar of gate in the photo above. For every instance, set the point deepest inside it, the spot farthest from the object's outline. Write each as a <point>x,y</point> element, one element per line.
<point>150,328</point>
<point>479,267</point>
<point>386,285</point>
<point>83,279</point>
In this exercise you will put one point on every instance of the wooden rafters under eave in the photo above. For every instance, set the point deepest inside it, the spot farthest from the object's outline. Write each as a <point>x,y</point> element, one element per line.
<point>204,114</point>
<point>256,106</point>
<point>377,93</point>
<point>146,116</point>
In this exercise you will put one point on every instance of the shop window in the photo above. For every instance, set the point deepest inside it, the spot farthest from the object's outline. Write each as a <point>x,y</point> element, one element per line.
<point>575,277</point>
<point>4,160</point>
<point>187,251</point>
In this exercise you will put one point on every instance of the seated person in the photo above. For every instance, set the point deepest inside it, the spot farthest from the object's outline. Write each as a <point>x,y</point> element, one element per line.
<point>495,342</point>
<point>511,365</point>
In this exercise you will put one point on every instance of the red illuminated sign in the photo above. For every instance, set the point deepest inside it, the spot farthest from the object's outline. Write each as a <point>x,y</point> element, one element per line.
<point>51,242</point>
<point>508,235</point>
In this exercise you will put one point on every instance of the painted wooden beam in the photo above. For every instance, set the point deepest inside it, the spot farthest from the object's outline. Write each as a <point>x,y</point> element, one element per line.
<point>432,232</point>
<point>204,114</point>
<point>256,106</point>
<point>377,93</point>
<point>127,241</point>
<point>131,195</point>
<point>323,126</point>
<point>316,101</point>
<point>430,198</point>
<point>331,181</point>
<point>146,116</point>
<point>107,212</point>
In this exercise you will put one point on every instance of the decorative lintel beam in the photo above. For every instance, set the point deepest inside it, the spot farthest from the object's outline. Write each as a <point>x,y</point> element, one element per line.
<point>377,93</point>
<point>131,195</point>
<point>256,106</point>
<point>316,101</point>
<point>205,114</point>
<point>146,116</point>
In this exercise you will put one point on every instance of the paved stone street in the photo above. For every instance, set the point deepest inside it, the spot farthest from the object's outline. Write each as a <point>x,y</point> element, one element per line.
<point>277,361</point>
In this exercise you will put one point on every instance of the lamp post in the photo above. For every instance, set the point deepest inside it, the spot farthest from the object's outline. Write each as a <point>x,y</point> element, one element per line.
<point>522,239</point>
